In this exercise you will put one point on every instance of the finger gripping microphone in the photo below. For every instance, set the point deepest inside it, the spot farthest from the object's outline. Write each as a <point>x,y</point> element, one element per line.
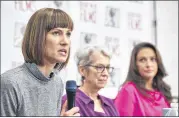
<point>71,92</point>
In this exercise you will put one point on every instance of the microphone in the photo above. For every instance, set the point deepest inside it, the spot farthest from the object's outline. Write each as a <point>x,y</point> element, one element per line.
<point>71,92</point>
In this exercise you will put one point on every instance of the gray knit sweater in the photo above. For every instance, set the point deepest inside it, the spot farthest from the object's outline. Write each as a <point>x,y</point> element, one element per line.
<point>25,91</point>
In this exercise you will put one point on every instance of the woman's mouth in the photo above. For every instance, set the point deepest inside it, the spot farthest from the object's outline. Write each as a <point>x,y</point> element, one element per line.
<point>149,71</point>
<point>63,52</point>
<point>103,79</point>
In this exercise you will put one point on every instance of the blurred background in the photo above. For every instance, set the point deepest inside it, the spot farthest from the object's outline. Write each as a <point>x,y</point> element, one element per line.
<point>117,25</point>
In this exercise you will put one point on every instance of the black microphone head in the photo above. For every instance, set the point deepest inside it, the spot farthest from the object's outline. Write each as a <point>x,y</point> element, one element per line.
<point>71,85</point>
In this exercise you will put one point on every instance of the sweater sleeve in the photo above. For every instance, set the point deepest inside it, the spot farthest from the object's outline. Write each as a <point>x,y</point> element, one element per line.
<point>9,97</point>
<point>124,103</point>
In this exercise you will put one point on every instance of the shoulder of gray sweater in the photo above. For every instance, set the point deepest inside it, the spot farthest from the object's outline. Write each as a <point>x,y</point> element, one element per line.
<point>12,73</point>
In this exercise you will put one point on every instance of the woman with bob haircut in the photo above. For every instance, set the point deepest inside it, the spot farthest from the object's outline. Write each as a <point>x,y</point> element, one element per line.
<point>35,88</point>
<point>144,93</point>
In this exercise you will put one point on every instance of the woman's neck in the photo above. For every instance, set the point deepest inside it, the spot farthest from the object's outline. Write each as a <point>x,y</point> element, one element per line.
<point>93,94</point>
<point>148,84</point>
<point>46,69</point>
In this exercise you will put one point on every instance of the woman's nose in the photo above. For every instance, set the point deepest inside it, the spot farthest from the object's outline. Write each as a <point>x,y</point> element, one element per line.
<point>65,40</point>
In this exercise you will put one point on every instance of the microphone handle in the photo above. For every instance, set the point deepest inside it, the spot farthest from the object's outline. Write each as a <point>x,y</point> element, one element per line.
<point>71,99</point>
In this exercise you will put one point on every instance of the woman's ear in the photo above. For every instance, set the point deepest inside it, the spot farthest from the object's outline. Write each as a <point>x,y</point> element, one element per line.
<point>81,70</point>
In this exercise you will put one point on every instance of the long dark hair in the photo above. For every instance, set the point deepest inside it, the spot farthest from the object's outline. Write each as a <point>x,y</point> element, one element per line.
<point>158,83</point>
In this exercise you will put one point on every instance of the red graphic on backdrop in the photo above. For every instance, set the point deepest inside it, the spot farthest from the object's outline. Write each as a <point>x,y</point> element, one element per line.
<point>88,12</point>
<point>134,21</point>
<point>25,6</point>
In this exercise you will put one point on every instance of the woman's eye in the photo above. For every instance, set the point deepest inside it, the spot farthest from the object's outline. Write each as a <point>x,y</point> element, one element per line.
<point>69,34</point>
<point>100,67</point>
<point>56,33</point>
<point>153,59</point>
<point>142,60</point>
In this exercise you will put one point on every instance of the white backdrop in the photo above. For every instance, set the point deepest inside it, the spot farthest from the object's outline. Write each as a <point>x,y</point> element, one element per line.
<point>118,25</point>
<point>167,40</point>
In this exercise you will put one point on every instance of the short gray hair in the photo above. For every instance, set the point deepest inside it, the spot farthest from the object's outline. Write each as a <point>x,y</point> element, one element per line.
<point>82,56</point>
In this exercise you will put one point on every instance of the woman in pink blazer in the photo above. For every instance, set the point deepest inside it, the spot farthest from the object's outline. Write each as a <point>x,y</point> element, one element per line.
<point>144,93</point>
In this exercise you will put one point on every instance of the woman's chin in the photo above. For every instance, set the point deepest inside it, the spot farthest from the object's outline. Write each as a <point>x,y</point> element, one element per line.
<point>62,60</point>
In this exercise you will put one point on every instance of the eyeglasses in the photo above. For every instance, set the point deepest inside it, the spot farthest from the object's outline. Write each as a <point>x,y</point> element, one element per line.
<point>101,68</point>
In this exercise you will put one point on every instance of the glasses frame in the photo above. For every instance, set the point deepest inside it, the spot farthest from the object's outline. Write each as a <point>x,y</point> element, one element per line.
<point>104,67</point>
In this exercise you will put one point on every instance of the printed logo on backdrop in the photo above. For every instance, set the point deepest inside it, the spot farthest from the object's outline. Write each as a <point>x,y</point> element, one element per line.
<point>19,30</point>
<point>87,39</point>
<point>114,78</point>
<point>112,17</point>
<point>59,5</point>
<point>132,43</point>
<point>113,45</point>
<point>88,12</point>
<point>25,6</point>
<point>134,21</point>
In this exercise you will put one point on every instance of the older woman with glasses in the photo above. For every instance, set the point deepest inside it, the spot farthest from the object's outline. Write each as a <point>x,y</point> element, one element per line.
<point>94,67</point>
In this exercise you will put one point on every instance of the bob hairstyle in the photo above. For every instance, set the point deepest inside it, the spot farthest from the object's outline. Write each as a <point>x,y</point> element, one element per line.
<point>134,75</point>
<point>39,24</point>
